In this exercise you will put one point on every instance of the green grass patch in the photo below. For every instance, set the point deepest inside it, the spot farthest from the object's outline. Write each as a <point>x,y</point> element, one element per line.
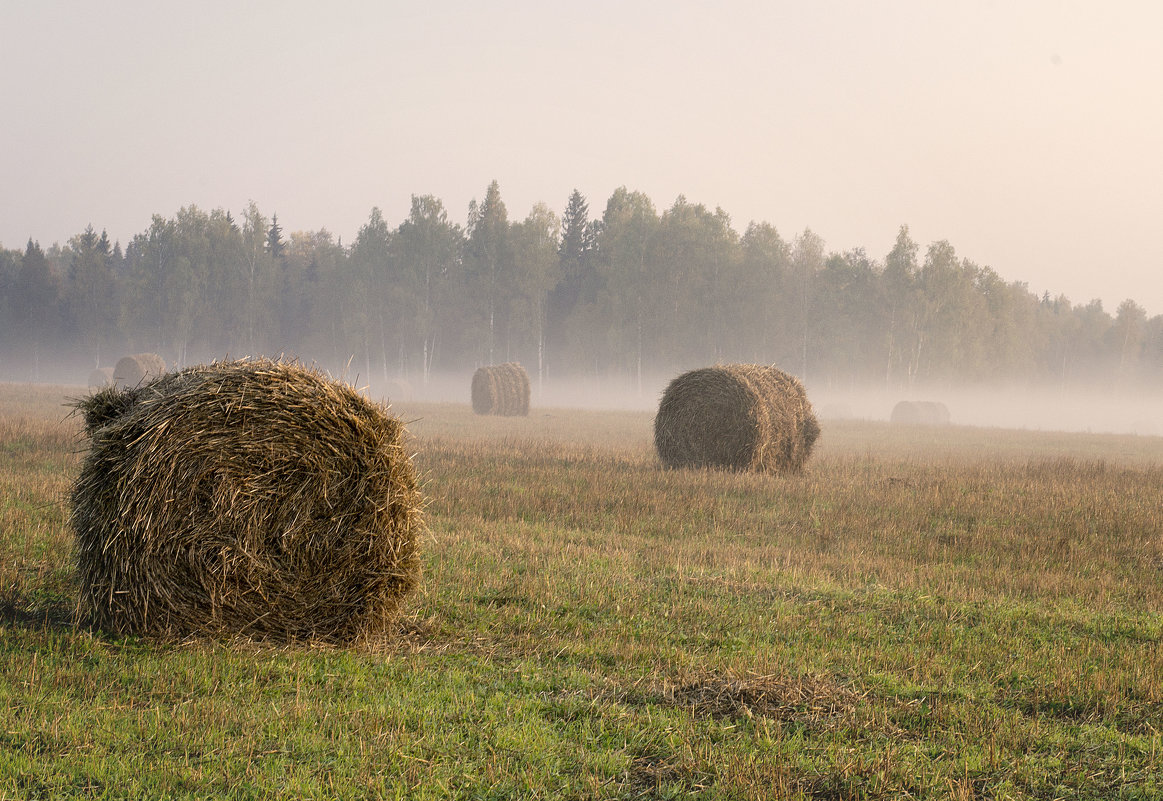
<point>970,616</point>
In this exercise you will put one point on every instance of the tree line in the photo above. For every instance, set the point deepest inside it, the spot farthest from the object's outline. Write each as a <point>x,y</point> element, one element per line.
<point>631,292</point>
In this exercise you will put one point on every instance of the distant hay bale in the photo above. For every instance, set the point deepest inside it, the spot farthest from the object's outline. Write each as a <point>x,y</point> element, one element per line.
<point>737,416</point>
<point>922,413</point>
<point>936,411</point>
<point>836,411</point>
<point>255,498</point>
<point>101,377</point>
<point>398,390</point>
<point>502,389</point>
<point>132,371</point>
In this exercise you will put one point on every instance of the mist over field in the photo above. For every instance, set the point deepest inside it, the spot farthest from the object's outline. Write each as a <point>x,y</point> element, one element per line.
<point>922,613</point>
<point>883,201</point>
<point>1030,407</point>
<point>602,310</point>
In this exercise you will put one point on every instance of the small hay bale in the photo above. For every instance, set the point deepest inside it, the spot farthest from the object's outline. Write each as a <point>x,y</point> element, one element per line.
<point>736,416</point>
<point>836,411</point>
<point>502,389</point>
<point>398,390</point>
<point>251,498</point>
<point>132,371</point>
<point>101,377</point>
<point>920,413</point>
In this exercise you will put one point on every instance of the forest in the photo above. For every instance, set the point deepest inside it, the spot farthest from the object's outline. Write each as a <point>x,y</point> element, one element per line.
<point>631,292</point>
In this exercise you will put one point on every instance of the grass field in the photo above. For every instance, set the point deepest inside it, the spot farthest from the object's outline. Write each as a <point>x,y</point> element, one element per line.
<point>955,613</point>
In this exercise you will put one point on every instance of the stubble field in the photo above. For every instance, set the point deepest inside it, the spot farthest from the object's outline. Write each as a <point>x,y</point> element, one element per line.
<point>924,613</point>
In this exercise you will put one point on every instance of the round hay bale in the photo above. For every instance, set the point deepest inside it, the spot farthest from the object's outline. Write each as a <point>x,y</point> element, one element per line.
<point>101,377</point>
<point>255,498</point>
<point>137,369</point>
<point>501,389</point>
<point>922,413</point>
<point>736,416</point>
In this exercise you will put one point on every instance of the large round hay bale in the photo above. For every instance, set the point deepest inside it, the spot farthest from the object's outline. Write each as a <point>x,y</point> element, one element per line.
<point>924,413</point>
<point>501,389</point>
<point>101,377</point>
<point>737,416</point>
<point>254,498</point>
<point>131,371</point>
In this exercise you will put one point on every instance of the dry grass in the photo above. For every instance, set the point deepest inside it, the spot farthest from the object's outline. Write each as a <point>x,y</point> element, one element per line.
<point>919,614</point>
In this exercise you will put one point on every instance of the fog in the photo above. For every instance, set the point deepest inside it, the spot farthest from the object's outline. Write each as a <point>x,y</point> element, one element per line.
<point>1031,407</point>
<point>1099,409</point>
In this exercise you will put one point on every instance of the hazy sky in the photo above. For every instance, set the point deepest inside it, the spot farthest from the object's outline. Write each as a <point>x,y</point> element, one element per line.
<point>1028,134</point>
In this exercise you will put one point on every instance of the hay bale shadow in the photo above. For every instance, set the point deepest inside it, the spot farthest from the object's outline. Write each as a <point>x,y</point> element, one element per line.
<point>19,611</point>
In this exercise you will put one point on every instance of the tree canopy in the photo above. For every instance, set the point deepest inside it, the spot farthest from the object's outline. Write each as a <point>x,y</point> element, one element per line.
<point>634,292</point>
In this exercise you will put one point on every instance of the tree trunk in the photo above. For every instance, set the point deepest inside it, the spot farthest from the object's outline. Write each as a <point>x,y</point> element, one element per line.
<point>427,366</point>
<point>891,343</point>
<point>367,358</point>
<point>383,347</point>
<point>639,353</point>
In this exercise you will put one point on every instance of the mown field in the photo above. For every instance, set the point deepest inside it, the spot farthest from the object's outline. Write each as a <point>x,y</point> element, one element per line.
<point>958,613</point>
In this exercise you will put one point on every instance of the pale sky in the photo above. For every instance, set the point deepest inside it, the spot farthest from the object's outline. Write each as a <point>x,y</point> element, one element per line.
<point>1028,134</point>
